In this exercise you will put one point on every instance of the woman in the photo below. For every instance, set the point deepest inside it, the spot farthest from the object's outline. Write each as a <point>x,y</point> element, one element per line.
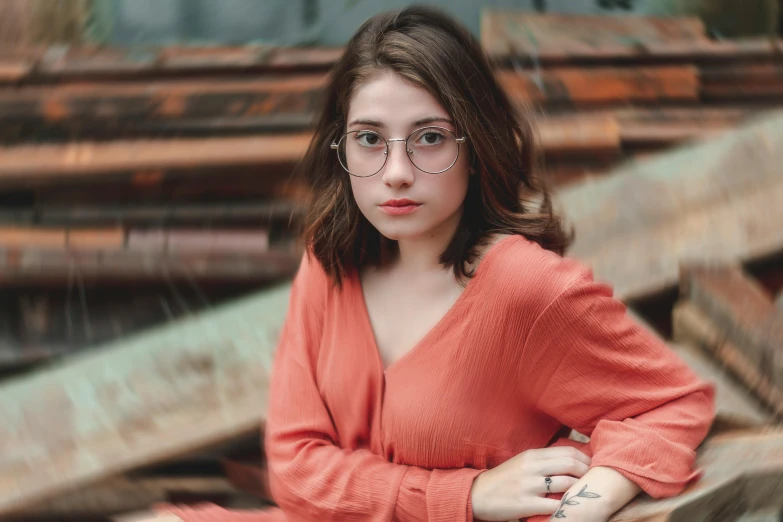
<point>438,348</point>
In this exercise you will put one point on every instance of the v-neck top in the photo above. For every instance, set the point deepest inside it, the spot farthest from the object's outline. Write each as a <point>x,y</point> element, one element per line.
<point>532,348</point>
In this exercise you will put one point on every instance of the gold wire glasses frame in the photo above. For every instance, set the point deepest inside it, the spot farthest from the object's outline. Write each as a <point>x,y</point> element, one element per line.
<point>368,151</point>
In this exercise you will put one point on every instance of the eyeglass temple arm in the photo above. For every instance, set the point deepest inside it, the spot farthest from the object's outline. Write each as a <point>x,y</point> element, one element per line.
<point>334,145</point>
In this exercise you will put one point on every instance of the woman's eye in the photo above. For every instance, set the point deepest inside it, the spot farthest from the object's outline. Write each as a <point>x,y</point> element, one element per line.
<point>431,138</point>
<point>368,139</point>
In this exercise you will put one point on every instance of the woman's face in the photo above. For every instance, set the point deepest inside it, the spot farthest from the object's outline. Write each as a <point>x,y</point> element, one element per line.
<point>400,200</point>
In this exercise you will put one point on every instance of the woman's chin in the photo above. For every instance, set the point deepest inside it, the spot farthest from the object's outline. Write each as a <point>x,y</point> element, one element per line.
<point>401,231</point>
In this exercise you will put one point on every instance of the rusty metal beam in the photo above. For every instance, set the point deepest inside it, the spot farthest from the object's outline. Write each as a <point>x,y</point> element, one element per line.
<point>144,399</point>
<point>635,225</point>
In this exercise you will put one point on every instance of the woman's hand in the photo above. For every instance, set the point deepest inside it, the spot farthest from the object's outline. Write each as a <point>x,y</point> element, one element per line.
<point>517,488</point>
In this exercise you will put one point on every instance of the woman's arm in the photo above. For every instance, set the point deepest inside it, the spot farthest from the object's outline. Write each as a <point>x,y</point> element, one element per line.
<point>596,370</point>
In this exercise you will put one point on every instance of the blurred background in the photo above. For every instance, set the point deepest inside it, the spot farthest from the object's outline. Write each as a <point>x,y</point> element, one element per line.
<point>149,219</point>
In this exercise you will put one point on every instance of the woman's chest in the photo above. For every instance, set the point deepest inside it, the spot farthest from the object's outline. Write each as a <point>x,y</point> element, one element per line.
<point>454,400</point>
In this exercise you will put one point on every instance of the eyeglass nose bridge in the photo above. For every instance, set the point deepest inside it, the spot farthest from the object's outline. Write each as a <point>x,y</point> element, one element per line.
<point>390,140</point>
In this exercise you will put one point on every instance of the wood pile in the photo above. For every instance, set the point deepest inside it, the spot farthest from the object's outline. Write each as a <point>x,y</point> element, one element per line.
<point>147,219</point>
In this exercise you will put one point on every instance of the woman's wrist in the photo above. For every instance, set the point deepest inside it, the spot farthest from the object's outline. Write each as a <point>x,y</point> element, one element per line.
<point>599,494</point>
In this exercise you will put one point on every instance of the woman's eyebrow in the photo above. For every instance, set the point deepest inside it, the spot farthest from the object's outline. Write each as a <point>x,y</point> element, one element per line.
<point>417,123</point>
<point>432,119</point>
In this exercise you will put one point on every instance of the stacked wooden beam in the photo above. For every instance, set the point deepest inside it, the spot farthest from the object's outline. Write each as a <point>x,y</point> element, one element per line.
<point>140,192</point>
<point>728,313</point>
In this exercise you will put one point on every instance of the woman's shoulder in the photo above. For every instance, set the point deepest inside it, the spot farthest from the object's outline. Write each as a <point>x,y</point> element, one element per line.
<point>532,275</point>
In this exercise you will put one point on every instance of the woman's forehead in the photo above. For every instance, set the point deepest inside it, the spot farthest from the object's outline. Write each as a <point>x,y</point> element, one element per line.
<point>392,101</point>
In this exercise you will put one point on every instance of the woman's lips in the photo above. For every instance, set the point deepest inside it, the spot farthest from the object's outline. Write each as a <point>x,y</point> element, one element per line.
<point>397,207</point>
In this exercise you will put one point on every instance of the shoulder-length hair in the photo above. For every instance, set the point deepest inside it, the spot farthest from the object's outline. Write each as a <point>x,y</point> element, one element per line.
<point>431,50</point>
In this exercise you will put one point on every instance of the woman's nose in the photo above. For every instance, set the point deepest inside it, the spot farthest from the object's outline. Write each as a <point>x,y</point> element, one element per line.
<point>399,170</point>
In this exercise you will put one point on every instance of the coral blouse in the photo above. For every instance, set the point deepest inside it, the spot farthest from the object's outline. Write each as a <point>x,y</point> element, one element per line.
<point>532,348</point>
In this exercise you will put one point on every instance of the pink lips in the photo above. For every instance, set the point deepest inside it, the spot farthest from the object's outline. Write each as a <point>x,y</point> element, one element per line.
<point>397,207</point>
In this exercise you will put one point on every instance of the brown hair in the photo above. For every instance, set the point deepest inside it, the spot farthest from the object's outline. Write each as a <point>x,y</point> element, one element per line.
<point>431,50</point>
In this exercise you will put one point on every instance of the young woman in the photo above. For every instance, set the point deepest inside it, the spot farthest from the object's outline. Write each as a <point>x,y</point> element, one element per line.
<point>438,347</point>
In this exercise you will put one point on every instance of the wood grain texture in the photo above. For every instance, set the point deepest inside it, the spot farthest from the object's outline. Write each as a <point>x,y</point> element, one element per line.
<point>635,225</point>
<point>742,474</point>
<point>151,397</point>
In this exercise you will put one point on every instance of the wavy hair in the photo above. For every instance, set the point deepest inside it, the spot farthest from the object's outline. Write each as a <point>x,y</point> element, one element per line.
<point>431,50</point>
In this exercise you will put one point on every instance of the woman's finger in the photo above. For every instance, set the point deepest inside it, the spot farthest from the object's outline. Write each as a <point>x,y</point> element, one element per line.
<point>561,466</point>
<point>560,452</point>
<point>559,484</point>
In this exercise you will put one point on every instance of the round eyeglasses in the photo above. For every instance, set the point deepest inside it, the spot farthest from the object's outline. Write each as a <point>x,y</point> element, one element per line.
<point>432,150</point>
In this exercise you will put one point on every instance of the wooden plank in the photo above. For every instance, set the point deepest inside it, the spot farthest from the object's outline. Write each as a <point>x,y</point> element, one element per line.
<point>591,135</point>
<point>742,474</point>
<point>660,135</point>
<point>19,265</point>
<point>49,163</point>
<point>734,404</point>
<point>527,33</point>
<point>693,326</point>
<point>147,398</point>
<point>151,214</point>
<point>636,225</point>
<point>110,64</point>
<point>161,101</point>
<point>14,23</point>
<point>742,313</point>
<point>125,494</point>
<point>580,86</point>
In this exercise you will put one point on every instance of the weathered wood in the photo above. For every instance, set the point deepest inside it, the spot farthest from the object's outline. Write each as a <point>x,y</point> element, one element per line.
<point>742,313</point>
<point>742,474</point>
<point>693,326</point>
<point>150,214</point>
<point>14,23</point>
<point>734,404</point>
<point>128,104</point>
<point>635,225</point>
<point>603,85</point>
<point>591,135</point>
<point>28,164</point>
<point>125,494</point>
<point>522,32</point>
<point>145,399</point>
<point>24,264</point>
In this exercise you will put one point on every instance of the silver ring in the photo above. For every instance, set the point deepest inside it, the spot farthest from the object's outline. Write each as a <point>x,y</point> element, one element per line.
<point>548,481</point>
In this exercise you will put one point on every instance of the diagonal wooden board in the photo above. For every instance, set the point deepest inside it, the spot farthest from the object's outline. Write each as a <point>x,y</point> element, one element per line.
<point>719,200</point>
<point>742,473</point>
<point>147,398</point>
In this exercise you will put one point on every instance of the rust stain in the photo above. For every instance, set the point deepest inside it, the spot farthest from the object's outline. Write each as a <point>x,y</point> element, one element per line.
<point>172,106</point>
<point>55,110</point>
<point>147,177</point>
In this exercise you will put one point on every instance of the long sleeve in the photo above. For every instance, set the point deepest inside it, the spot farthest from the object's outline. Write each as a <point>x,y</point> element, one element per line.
<point>310,476</point>
<point>596,370</point>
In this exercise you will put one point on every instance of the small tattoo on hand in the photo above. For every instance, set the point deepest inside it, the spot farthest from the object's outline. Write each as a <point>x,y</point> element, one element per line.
<point>569,501</point>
